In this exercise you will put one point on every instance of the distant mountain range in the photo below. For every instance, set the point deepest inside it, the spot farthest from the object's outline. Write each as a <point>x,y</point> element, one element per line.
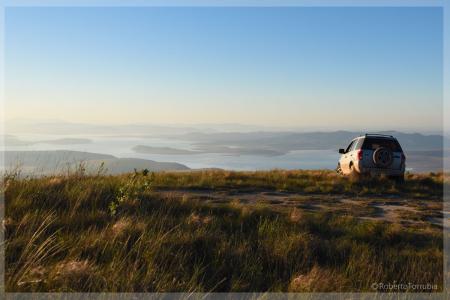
<point>12,141</point>
<point>58,127</point>
<point>279,143</point>
<point>19,127</point>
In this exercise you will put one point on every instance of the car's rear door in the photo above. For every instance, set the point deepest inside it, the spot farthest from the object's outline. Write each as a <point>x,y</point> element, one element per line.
<point>372,143</point>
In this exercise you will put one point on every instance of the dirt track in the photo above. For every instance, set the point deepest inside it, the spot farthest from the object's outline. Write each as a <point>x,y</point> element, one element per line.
<point>394,209</point>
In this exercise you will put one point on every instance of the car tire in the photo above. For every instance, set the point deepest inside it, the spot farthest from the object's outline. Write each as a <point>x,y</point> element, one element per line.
<point>353,173</point>
<point>382,157</point>
<point>339,170</point>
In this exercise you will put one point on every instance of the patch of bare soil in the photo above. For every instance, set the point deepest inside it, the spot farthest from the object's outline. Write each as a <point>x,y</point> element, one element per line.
<point>378,208</point>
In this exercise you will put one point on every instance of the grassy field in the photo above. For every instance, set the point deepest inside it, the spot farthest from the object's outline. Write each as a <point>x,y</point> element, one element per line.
<point>147,232</point>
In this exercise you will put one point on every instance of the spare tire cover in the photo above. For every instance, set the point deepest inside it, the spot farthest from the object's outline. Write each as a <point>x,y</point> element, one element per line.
<point>382,157</point>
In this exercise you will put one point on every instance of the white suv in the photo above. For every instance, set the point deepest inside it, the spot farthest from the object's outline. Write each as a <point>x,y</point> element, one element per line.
<point>373,154</point>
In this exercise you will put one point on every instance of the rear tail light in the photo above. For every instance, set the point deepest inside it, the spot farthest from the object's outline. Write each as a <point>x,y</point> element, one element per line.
<point>360,154</point>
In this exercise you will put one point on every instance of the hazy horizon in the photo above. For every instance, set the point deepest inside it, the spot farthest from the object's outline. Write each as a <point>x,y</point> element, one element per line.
<point>28,124</point>
<point>292,67</point>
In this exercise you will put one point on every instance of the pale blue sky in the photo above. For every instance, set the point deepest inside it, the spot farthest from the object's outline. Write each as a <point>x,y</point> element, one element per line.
<point>336,68</point>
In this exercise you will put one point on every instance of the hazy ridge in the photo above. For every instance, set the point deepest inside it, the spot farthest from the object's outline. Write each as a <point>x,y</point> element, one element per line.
<point>49,162</point>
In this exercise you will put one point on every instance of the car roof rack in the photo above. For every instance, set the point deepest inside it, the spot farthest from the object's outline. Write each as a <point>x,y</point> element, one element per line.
<point>380,135</point>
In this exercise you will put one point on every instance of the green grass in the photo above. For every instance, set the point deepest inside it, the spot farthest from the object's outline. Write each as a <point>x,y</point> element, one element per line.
<point>119,234</point>
<point>320,181</point>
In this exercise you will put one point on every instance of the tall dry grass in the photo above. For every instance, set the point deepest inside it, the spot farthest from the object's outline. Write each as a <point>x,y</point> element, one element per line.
<point>118,234</point>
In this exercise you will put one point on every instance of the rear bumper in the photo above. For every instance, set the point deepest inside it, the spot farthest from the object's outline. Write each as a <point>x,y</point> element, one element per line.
<point>379,171</point>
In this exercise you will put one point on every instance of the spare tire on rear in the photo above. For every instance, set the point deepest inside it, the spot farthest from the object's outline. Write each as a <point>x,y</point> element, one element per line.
<point>383,157</point>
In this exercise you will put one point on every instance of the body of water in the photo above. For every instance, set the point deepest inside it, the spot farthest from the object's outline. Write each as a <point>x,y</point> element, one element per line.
<point>122,147</point>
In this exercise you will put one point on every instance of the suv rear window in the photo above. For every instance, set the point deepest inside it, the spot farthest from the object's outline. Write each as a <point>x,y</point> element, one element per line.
<point>375,143</point>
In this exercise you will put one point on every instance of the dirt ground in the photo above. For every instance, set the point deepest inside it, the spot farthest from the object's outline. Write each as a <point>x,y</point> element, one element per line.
<point>383,208</point>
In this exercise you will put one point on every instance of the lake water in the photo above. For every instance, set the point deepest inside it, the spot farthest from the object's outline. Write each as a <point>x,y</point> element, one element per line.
<point>122,147</point>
